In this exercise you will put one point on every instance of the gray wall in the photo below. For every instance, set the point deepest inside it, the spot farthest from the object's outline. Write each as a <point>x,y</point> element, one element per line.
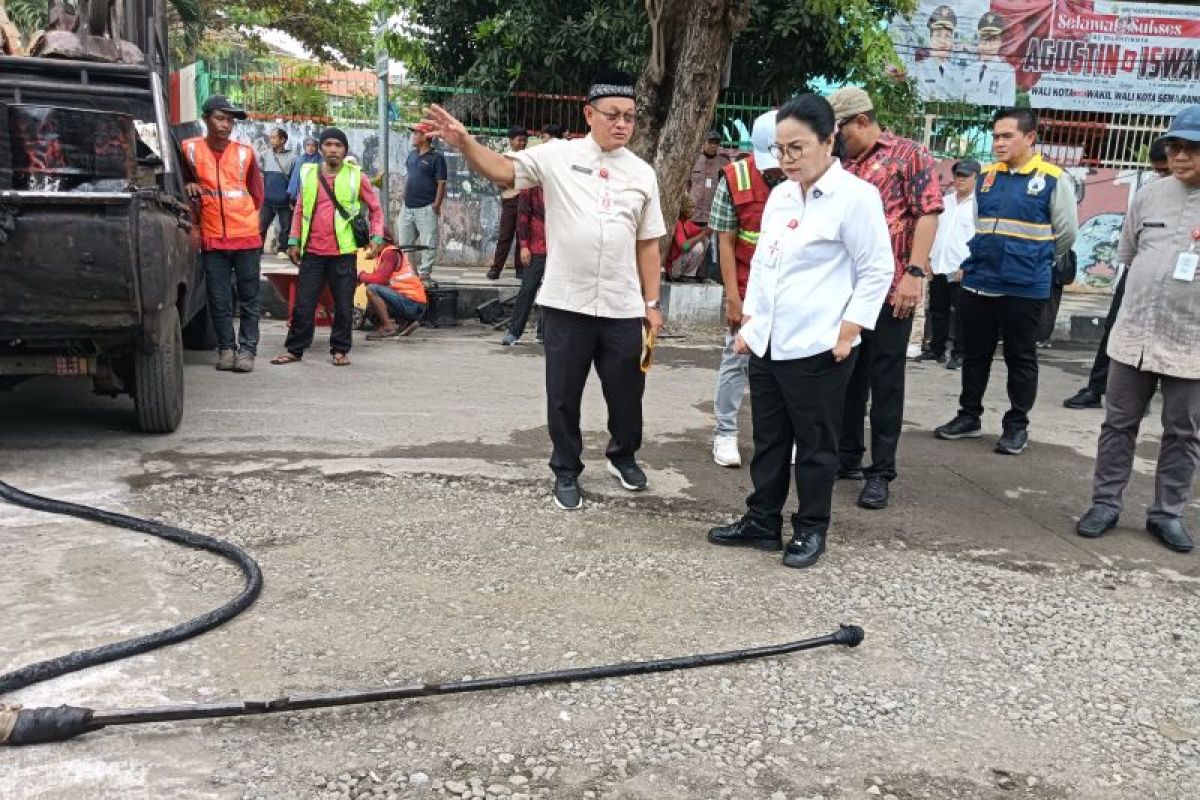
<point>470,215</point>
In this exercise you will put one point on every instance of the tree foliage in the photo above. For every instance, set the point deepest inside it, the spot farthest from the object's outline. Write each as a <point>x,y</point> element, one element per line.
<point>557,44</point>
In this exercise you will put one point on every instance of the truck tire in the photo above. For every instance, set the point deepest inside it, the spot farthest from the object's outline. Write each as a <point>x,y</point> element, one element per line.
<point>198,334</point>
<point>158,378</point>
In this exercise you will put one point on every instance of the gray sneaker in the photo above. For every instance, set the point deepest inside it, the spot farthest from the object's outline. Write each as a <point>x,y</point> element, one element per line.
<point>244,362</point>
<point>509,340</point>
<point>226,360</point>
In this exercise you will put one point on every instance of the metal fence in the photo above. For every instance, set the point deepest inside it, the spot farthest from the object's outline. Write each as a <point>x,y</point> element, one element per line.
<point>273,91</point>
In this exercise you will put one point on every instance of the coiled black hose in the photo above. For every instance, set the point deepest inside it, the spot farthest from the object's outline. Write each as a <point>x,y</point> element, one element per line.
<point>20,726</point>
<point>82,659</point>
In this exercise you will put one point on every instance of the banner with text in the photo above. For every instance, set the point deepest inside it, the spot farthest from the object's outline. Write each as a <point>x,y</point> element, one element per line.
<point>1078,55</point>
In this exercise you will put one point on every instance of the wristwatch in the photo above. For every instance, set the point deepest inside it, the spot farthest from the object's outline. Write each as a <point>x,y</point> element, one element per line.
<point>913,269</point>
<point>654,304</point>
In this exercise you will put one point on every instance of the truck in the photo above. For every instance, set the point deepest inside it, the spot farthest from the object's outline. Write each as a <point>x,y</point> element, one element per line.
<point>100,270</point>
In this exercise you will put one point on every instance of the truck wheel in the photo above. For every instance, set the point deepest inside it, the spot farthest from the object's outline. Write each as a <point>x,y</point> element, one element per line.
<point>199,334</point>
<point>158,378</point>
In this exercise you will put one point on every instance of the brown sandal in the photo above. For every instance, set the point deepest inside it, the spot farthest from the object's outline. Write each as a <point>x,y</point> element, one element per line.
<point>286,358</point>
<point>341,360</point>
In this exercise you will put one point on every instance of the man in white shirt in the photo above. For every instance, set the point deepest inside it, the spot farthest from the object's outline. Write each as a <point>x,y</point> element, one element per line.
<point>601,287</point>
<point>936,75</point>
<point>956,226</point>
<point>991,81</point>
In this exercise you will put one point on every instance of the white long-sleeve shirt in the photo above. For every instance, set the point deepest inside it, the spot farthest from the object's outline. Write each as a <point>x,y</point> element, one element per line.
<point>956,226</point>
<point>822,259</point>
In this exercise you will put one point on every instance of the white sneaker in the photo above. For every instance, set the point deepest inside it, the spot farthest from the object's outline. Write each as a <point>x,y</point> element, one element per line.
<point>914,350</point>
<point>725,451</point>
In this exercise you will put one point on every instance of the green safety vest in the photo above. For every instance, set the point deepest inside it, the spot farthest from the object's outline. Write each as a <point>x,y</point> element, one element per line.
<point>345,189</point>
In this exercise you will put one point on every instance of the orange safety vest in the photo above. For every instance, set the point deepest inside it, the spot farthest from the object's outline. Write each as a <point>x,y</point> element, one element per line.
<point>405,281</point>
<point>227,210</point>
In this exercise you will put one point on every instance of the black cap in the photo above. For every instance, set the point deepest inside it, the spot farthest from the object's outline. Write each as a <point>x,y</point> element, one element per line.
<point>943,16</point>
<point>713,136</point>
<point>991,21</point>
<point>219,102</point>
<point>517,130</point>
<point>966,168</point>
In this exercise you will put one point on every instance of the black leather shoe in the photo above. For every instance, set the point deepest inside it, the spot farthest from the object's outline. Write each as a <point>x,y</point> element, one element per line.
<point>927,355</point>
<point>804,549</point>
<point>853,474</point>
<point>1096,521</point>
<point>961,427</point>
<point>567,494</point>
<point>629,474</point>
<point>954,362</point>
<point>1013,442</point>
<point>875,494</point>
<point>746,533</point>
<point>1084,398</point>
<point>1172,533</point>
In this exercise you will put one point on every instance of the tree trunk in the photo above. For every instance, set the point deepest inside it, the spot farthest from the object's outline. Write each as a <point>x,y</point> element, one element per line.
<point>677,92</point>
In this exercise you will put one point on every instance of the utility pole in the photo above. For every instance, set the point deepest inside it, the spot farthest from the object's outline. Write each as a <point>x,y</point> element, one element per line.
<point>381,72</point>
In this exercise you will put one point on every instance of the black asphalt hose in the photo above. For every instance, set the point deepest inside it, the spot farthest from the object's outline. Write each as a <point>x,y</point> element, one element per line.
<point>22,726</point>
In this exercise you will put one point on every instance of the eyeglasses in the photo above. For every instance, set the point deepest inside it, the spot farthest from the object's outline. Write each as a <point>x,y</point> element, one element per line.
<point>792,152</point>
<point>612,116</point>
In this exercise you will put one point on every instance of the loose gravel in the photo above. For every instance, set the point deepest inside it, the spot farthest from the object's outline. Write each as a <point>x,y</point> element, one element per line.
<point>978,678</point>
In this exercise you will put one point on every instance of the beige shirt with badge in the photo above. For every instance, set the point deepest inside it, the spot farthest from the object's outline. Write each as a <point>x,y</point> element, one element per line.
<point>1158,326</point>
<point>598,206</point>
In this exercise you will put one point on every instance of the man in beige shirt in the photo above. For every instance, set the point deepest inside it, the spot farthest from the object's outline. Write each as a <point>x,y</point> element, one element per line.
<point>1156,342</point>
<point>601,288</point>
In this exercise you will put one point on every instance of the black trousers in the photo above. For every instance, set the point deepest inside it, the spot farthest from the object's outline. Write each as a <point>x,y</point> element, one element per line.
<point>1098,379</point>
<point>944,315</point>
<point>574,342</point>
<point>985,321</point>
<point>270,212</point>
<point>507,234</point>
<point>797,401</point>
<point>531,281</point>
<point>879,377</point>
<point>338,272</point>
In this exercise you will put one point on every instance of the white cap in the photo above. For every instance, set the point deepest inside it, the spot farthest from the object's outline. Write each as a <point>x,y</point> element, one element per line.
<point>762,136</point>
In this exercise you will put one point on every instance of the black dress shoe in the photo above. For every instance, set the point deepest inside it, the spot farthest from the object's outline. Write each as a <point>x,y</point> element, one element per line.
<point>961,427</point>
<point>567,494</point>
<point>852,474</point>
<point>1172,533</point>
<point>1084,398</point>
<point>804,549</point>
<point>875,494</point>
<point>1096,521</point>
<point>746,533</point>
<point>927,355</point>
<point>954,362</point>
<point>1013,442</point>
<point>629,474</point>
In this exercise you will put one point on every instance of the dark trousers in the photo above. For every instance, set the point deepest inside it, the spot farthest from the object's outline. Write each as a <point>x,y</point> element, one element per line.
<point>878,376</point>
<point>985,321</point>
<point>1098,378</point>
<point>508,233</point>
<point>798,401</point>
<point>574,342</point>
<point>531,281</point>
<point>230,273</point>
<point>338,272</point>
<point>944,315</point>
<point>270,212</point>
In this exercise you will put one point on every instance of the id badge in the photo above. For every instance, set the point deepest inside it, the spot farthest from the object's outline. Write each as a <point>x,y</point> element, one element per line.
<point>708,183</point>
<point>1185,266</point>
